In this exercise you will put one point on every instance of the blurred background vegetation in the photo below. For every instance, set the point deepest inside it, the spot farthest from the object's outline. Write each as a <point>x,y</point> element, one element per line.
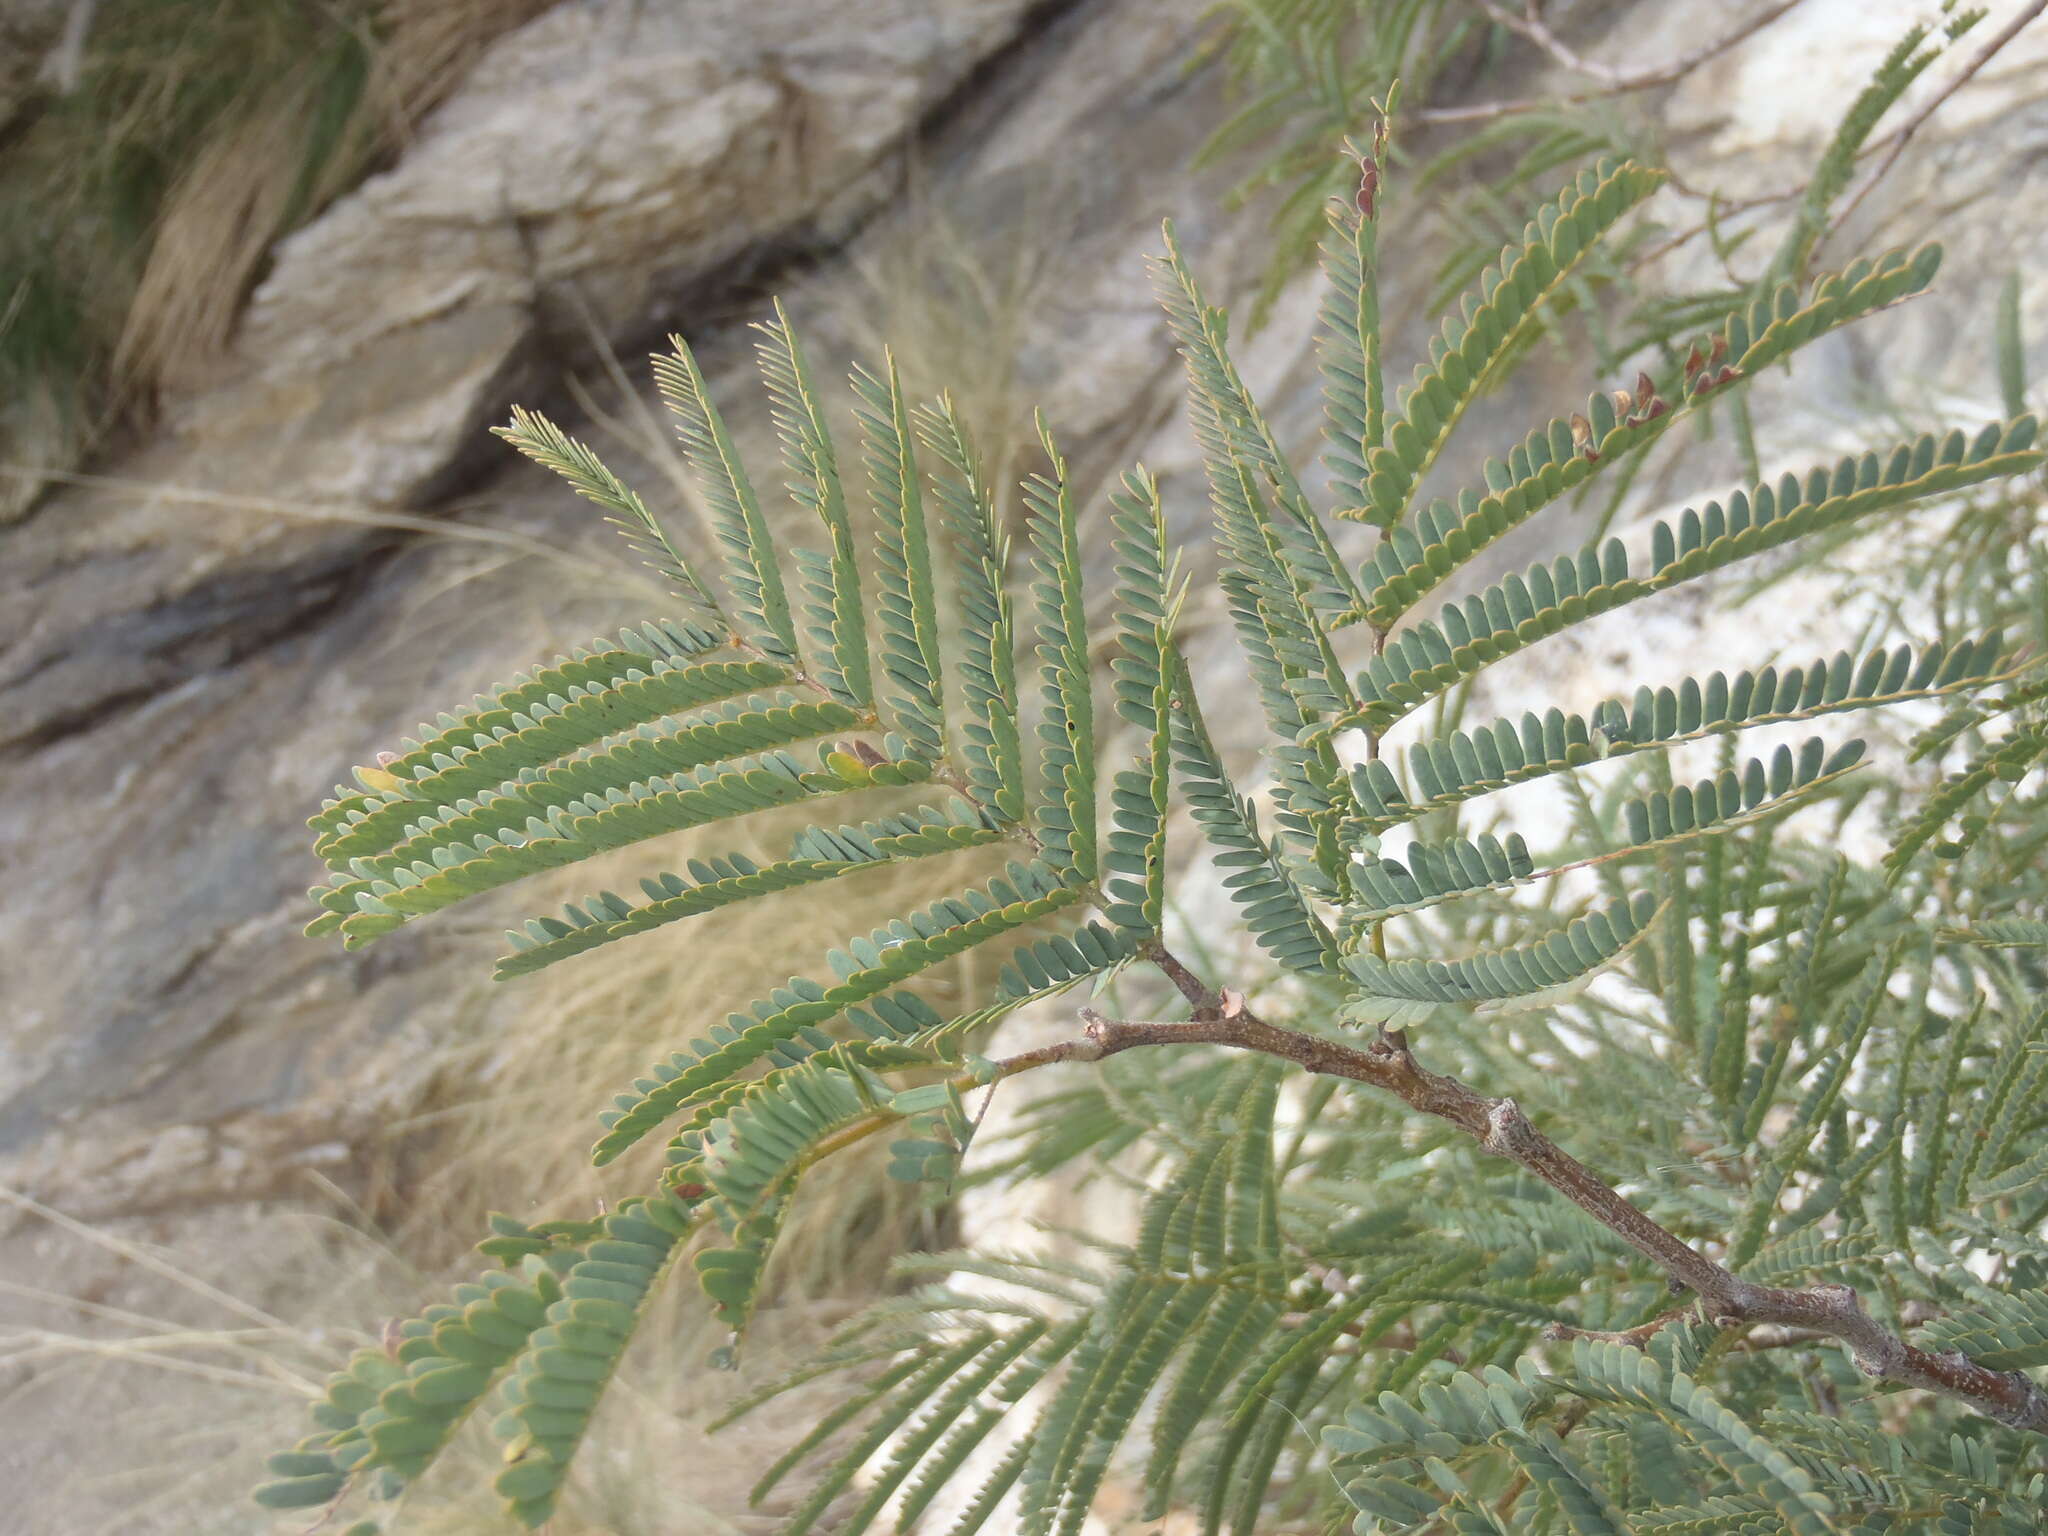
<point>237,1238</point>
<point>149,167</point>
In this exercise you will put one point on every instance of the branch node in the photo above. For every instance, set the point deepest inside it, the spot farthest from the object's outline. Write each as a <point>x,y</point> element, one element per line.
<point>1837,1297</point>
<point>1508,1131</point>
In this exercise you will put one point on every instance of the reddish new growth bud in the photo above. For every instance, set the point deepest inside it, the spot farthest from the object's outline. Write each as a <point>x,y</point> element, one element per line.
<point>689,1191</point>
<point>1645,391</point>
<point>1582,437</point>
<point>864,752</point>
<point>1624,402</point>
<point>386,759</point>
<point>1720,350</point>
<point>1695,360</point>
<point>1368,186</point>
<point>1712,379</point>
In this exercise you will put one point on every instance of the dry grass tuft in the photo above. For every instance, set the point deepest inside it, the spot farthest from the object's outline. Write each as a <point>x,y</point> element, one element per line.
<point>276,159</point>
<point>137,206</point>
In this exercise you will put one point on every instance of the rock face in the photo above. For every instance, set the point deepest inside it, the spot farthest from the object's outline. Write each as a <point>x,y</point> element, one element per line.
<point>192,648</point>
<point>599,166</point>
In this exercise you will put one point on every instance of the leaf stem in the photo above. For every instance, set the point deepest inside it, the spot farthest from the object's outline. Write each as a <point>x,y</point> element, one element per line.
<point>1500,1126</point>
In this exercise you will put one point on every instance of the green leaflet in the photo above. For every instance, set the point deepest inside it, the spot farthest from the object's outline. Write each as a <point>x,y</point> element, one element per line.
<point>991,739</point>
<point>789,1018</point>
<point>1492,323</point>
<point>752,572</point>
<point>1720,1517</point>
<point>1457,766</point>
<point>1239,450</point>
<point>942,1398</point>
<point>1444,1419</point>
<point>1586,1506</point>
<point>393,1412</point>
<point>922,1385</point>
<point>575,702</point>
<point>1837,164</point>
<point>951,1426</point>
<point>820,854</point>
<point>1416,556</point>
<point>763,1137</point>
<point>567,1363</point>
<point>884,1049</point>
<point>2003,933</point>
<point>1403,992</point>
<point>2012,356</point>
<point>552,448</point>
<point>1348,347</point>
<point>2008,761</point>
<point>832,581</point>
<point>1435,872</point>
<point>1240,1243</point>
<point>1762,1470</point>
<point>751,1151</point>
<point>1278,561</point>
<point>466,853</point>
<point>1419,554</point>
<point>1065,816</point>
<point>906,604</point>
<point>1993,1115</point>
<point>1047,967</point>
<point>1808,1117</point>
<point>1274,907</point>
<point>1181,1264</point>
<point>1134,857</point>
<point>1279,572</point>
<point>467,799</point>
<point>1433,655</point>
<point>2003,1333</point>
<point>1807,1252</point>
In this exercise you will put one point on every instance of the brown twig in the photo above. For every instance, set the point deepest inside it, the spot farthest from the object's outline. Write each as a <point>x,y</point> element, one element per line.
<point>1498,1125</point>
<point>1613,83</point>
<point>1903,134</point>
<point>1635,1337</point>
<point>1888,147</point>
<point>1206,1004</point>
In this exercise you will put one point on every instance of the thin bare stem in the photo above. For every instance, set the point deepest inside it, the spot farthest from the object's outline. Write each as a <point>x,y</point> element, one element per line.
<point>1499,1125</point>
<point>1903,134</point>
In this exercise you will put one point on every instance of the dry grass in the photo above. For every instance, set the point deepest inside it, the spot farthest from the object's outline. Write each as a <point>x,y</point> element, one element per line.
<point>137,207</point>
<point>955,298</point>
<point>297,142</point>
